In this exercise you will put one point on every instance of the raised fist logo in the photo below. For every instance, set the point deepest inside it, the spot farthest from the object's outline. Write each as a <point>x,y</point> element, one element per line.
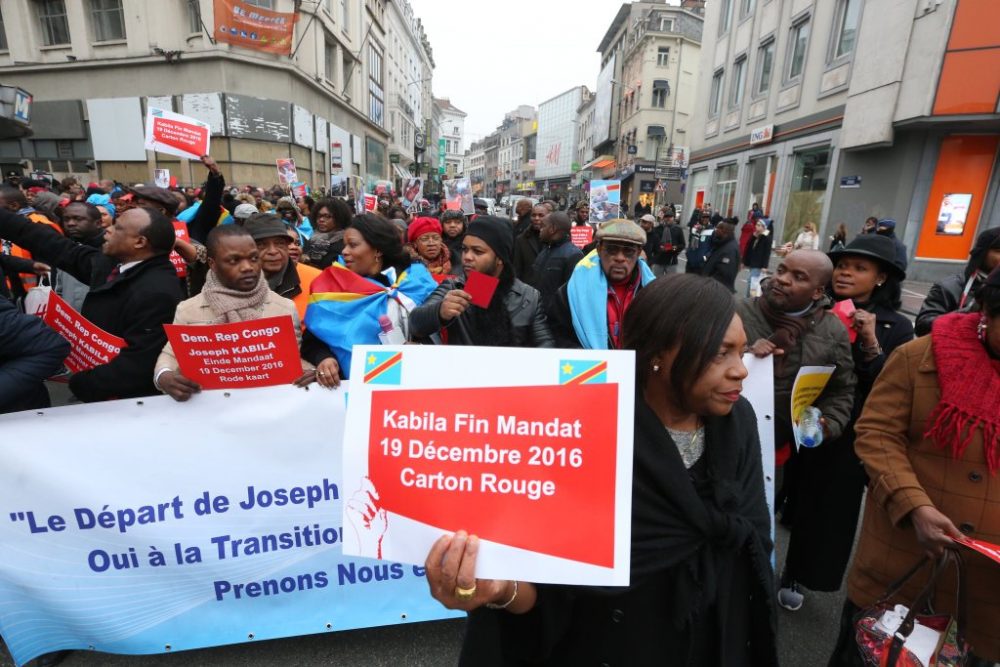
<point>368,519</point>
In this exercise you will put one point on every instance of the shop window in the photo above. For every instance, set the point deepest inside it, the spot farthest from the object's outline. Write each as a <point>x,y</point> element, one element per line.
<point>810,174</point>
<point>763,171</point>
<point>725,189</point>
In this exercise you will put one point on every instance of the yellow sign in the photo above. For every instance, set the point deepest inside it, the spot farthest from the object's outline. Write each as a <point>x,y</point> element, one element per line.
<point>809,384</point>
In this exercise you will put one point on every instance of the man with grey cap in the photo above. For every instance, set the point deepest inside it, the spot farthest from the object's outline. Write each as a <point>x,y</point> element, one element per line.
<point>588,311</point>
<point>284,276</point>
<point>242,212</point>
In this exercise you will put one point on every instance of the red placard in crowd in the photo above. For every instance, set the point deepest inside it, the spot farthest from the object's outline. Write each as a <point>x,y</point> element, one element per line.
<point>92,346</point>
<point>181,232</point>
<point>176,134</point>
<point>258,353</point>
<point>581,235</point>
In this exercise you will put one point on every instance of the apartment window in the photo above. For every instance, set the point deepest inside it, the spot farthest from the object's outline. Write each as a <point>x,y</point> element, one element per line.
<point>3,34</point>
<point>715,96</point>
<point>739,80</point>
<point>661,89</point>
<point>666,25</point>
<point>263,4</point>
<point>765,65</point>
<point>107,19</point>
<point>725,17</point>
<point>194,16</point>
<point>376,105</point>
<point>663,56</point>
<point>329,60</point>
<point>345,16</point>
<point>847,17</point>
<point>797,50</point>
<point>53,23</point>
<point>746,7</point>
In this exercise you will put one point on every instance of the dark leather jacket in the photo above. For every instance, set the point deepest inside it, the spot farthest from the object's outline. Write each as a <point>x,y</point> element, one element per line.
<point>527,318</point>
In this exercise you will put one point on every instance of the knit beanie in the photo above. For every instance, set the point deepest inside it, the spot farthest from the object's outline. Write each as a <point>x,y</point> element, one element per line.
<point>497,233</point>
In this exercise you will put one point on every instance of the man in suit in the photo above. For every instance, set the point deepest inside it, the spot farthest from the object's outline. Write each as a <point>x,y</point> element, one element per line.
<point>133,292</point>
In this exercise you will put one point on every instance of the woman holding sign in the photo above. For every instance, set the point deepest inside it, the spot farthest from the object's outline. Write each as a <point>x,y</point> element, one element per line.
<point>701,588</point>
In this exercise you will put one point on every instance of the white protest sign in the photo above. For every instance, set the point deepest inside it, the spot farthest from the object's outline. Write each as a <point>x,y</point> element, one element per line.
<point>176,134</point>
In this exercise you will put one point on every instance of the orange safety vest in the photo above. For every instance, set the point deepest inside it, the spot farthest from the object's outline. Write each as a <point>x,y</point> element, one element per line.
<point>29,280</point>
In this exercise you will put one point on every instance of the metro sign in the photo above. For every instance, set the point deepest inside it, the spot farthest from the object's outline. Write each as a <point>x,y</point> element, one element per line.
<point>22,106</point>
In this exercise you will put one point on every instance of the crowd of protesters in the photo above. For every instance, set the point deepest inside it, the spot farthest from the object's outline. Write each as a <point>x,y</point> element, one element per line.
<point>916,421</point>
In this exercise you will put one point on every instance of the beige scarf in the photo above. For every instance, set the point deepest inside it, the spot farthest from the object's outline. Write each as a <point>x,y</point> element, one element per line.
<point>233,305</point>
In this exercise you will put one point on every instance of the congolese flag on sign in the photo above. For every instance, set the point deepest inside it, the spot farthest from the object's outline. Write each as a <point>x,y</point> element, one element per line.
<point>344,307</point>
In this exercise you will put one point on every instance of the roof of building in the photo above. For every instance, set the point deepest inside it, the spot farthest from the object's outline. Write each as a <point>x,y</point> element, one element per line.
<point>445,105</point>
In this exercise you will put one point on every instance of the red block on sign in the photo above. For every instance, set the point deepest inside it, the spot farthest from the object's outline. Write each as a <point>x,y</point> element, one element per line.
<point>528,467</point>
<point>186,137</point>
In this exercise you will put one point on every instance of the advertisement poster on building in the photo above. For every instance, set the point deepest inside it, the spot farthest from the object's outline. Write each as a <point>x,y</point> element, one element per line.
<point>953,214</point>
<point>287,173</point>
<point>176,134</point>
<point>248,25</point>
<point>458,195</point>
<point>605,200</point>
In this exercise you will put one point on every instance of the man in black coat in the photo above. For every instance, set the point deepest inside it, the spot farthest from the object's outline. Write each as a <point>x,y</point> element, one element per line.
<point>723,261</point>
<point>554,264</point>
<point>528,245</point>
<point>30,351</point>
<point>134,291</point>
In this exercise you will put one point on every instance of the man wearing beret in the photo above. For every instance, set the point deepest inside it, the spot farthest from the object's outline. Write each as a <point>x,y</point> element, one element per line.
<point>588,311</point>
<point>514,318</point>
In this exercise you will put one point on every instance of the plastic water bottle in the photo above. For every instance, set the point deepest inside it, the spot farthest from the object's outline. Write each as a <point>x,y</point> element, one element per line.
<point>389,335</point>
<point>810,429</point>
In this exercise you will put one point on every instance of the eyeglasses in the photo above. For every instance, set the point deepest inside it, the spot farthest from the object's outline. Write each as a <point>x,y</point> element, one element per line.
<point>612,249</point>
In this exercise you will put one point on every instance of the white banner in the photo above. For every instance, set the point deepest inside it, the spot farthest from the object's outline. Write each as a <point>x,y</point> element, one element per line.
<point>150,526</point>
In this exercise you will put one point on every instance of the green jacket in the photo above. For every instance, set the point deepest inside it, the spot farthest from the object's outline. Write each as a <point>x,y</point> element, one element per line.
<point>824,344</point>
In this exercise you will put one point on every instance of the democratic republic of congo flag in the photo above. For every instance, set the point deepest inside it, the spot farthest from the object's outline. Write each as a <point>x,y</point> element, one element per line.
<point>344,307</point>
<point>580,371</point>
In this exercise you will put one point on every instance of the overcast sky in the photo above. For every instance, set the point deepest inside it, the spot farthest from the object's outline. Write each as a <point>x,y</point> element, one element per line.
<point>492,56</point>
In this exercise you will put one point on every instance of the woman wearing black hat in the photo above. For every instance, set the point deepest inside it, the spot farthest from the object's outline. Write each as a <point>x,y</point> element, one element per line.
<point>829,479</point>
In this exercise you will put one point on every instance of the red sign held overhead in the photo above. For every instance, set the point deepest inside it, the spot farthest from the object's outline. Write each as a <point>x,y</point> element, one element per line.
<point>180,266</point>
<point>92,346</point>
<point>258,353</point>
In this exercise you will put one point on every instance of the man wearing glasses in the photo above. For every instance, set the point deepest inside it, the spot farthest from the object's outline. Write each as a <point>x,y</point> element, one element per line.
<point>588,311</point>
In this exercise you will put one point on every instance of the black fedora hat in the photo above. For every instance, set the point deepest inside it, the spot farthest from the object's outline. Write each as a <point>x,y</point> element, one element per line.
<point>877,247</point>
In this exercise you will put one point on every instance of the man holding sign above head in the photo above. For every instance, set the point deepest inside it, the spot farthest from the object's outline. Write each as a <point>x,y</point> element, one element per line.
<point>700,590</point>
<point>490,306</point>
<point>588,311</point>
<point>133,292</point>
<point>235,291</point>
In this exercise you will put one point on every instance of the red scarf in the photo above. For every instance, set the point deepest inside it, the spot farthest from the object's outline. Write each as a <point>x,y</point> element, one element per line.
<point>970,389</point>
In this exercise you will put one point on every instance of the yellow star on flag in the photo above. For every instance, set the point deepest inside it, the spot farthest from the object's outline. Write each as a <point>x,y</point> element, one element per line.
<point>567,369</point>
<point>371,359</point>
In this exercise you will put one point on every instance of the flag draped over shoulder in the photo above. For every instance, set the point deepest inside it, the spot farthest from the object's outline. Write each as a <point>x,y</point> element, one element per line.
<point>187,215</point>
<point>344,306</point>
<point>588,300</point>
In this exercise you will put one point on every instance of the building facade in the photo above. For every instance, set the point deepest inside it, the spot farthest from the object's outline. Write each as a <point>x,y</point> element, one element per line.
<point>95,70</point>
<point>474,167</point>
<point>452,133</point>
<point>408,67</point>
<point>822,113</point>
<point>557,142</point>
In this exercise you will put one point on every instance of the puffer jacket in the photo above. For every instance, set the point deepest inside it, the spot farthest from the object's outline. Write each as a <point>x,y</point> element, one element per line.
<point>524,304</point>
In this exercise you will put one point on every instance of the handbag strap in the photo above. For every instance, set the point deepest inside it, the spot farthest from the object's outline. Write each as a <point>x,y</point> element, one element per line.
<point>906,627</point>
<point>895,586</point>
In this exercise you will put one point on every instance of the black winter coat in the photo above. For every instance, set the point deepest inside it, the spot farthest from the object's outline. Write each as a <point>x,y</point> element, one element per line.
<point>134,306</point>
<point>524,306</point>
<point>758,252</point>
<point>723,263</point>
<point>701,541</point>
<point>943,298</point>
<point>30,351</point>
<point>526,248</point>
<point>553,268</point>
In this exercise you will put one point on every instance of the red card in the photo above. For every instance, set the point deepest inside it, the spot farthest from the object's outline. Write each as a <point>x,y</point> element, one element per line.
<point>991,551</point>
<point>480,287</point>
<point>92,346</point>
<point>844,310</point>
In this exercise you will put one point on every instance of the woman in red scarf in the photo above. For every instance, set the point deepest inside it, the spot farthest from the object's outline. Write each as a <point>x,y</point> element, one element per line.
<point>929,438</point>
